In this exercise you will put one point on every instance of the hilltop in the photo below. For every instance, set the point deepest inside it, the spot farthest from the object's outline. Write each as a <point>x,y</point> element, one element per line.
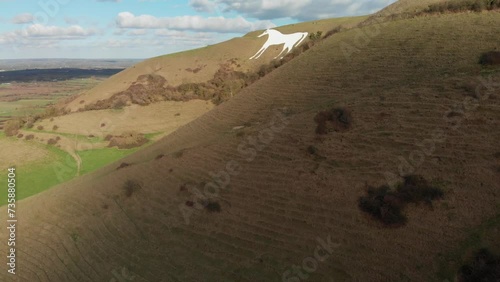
<point>418,102</point>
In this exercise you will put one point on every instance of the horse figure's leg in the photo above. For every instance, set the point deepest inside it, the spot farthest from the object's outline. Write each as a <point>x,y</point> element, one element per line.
<point>261,50</point>
<point>256,53</point>
<point>303,36</point>
<point>284,47</point>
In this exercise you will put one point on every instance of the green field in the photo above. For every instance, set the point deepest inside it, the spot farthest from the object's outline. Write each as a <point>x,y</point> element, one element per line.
<point>94,159</point>
<point>97,158</point>
<point>60,167</point>
<point>23,107</point>
<point>35,178</point>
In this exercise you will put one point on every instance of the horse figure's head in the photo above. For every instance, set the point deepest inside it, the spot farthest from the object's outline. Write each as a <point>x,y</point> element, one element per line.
<point>266,32</point>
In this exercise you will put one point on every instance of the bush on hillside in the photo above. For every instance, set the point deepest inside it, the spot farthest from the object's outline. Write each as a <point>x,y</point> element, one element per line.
<point>338,119</point>
<point>53,111</point>
<point>212,206</point>
<point>383,204</point>
<point>463,5</point>
<point>119,103</point>
<point>386,204</point>
<point>490,58</point>
<point>332,31</point>
<point>131,186</point>
<point>122,165</point>
<point>315,36</point>
<point>415,189</point>
<point>12,126</point>
<point>128,140</point>
<point>485,267</point>
<point>30,121</point>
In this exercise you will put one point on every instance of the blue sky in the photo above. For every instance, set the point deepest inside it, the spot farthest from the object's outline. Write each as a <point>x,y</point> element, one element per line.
<point>148,28</point>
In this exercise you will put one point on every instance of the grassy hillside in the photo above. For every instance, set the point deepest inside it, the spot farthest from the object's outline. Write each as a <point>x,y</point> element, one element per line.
<point>289,189</point>
<point>178,68</point>
<point>82,133</point>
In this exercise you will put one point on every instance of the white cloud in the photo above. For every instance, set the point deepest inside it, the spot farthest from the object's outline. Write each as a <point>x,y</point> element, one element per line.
<point>42,32</point>
<point>203,5</point>
<point>302,10</point>
<point>194,23</point>
<point>23,18</point>
<point>38,30</point>
<point>136,32</point>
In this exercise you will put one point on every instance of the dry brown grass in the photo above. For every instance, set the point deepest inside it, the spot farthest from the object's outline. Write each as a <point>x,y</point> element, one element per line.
<point>20,153</point>
<point>143,119</point>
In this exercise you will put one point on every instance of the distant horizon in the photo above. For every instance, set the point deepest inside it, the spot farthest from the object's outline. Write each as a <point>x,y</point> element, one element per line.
<point>120,59</point>
<point>94,29</point>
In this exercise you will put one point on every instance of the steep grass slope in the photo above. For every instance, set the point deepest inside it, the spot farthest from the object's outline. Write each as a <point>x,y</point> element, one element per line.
<point>282,202</point>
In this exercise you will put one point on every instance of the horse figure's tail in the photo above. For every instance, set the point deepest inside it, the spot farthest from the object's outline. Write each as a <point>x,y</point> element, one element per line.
<point>304,35</point>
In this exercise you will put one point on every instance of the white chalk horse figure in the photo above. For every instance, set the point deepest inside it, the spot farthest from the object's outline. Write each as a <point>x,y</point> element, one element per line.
<point>278,38</point>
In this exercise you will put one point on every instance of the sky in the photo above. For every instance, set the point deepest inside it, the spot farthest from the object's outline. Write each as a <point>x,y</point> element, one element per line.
<point>146,28</point>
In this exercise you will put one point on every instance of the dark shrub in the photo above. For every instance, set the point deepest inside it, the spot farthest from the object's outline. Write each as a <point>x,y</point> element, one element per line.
<point>29,137</point>
<point>159,156</point>
<point>55,127</point>
<point>178,154</point>
<point>386,205</point>
<point>39,127</point>
<point>490,58</point>
<point>315,36</point>
<point>128,140</point>
<point>333,31</point>
<point>20,135</point>
<point>484,267</point>
<point>212,206</point>
<point>119,103</point>
<point>339,118</point>
<point>320,119</point>
<point>312,150</point>
<point>415,189</point>
<point>12,126</point>
<point>130,186</point>
<point>52,141</point>
<point>122,165</point>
